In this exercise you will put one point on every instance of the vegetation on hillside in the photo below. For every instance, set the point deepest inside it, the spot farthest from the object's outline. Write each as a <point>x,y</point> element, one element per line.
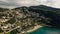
<point>22,18</point>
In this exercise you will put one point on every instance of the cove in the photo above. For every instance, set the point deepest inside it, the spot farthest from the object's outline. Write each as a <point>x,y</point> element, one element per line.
<point>46,30</point>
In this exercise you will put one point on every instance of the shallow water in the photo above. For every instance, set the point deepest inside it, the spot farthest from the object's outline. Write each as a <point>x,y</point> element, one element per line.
<point>46,30</point>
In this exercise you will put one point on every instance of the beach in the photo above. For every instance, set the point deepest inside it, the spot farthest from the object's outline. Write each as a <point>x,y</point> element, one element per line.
<point>35,28</point>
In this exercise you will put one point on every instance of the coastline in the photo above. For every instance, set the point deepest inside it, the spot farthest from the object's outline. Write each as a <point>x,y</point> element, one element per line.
<point>35,28</point>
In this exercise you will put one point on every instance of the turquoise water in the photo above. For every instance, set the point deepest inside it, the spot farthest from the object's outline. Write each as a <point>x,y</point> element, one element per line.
<point>46,30</point>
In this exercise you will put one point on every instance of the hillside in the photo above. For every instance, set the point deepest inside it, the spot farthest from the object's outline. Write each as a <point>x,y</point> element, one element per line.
<point>25,18</point>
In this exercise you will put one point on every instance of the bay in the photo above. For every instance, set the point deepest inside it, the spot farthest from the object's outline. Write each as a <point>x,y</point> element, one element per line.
<point>46,30</point>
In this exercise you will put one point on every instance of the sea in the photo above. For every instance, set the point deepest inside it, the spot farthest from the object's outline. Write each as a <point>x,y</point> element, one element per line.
<point>46,30</point>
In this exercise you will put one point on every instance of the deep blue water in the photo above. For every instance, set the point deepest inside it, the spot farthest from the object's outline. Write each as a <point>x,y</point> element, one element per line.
<point>46,30</point>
